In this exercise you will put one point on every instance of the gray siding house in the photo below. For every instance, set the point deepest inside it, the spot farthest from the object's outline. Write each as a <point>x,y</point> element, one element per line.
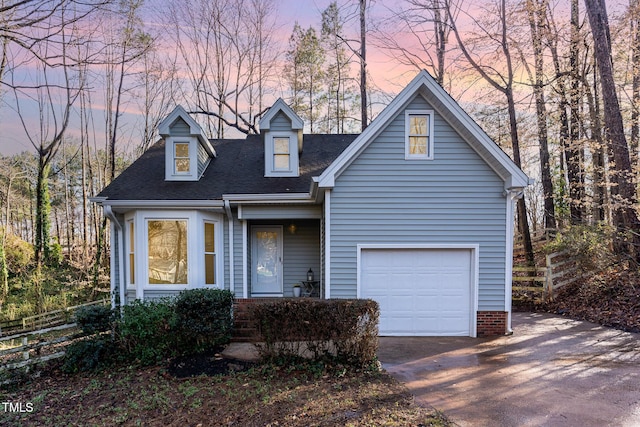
<point>416,212</point>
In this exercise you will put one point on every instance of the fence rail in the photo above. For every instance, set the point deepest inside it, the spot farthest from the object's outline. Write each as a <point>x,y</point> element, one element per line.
<point>44,320</point>
<point>32,353</point>
<point>560,270</point>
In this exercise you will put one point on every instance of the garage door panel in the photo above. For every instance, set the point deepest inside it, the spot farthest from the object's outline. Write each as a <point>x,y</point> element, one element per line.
<point>420,291</point>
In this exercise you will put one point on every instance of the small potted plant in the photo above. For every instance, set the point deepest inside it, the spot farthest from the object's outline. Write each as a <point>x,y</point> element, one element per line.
<point>296,290</point>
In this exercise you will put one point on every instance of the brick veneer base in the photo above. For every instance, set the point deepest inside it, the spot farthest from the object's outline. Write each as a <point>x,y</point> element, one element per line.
<point>244,329</point>
<point>491,323</point>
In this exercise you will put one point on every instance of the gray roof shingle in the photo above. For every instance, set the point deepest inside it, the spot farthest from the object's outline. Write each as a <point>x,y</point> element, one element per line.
<point>238,169</point>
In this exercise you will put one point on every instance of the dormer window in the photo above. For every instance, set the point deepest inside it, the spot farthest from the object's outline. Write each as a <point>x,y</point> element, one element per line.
<point>281,129</point>
<point>281,157</point>
<point>419,134</point>
<point>181,160</point>
<point>281,154</point>
<point>187,150</point>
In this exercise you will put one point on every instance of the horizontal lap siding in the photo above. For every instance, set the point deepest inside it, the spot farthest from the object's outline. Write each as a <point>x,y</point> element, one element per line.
<point>455,198</point>
<point>301,252</point>
<point>237,263</point>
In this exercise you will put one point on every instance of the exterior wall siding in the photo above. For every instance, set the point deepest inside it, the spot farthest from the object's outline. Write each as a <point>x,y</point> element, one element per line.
<point>280,123</point>
<point>454,198</point>
<point>203,159</point>
<point>180,128</point>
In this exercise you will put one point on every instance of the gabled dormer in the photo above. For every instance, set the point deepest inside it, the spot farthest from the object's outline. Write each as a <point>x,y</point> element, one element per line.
<point>187,150</point>
<point>281,130</point>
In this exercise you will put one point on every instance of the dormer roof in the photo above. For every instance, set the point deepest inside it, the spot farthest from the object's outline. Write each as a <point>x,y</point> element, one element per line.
<point>280,106</point>
<point>164,128</point>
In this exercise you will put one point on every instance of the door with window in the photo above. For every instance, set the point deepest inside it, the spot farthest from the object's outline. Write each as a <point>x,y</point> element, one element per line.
<point>266,261</point>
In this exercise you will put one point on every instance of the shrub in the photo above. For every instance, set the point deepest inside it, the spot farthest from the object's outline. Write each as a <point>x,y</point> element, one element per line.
<point>88,354</point>
<point>94,319</point>
<point>146,330</point>
<point>591,246</point>
<point>345,331</point>
<point>19,254</point>
<point>203,318</point>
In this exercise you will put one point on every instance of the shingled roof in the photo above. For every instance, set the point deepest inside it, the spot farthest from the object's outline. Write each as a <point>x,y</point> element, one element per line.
<point>237,169</point>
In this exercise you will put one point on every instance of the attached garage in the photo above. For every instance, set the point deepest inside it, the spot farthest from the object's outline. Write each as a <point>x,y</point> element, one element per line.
<point>422,291</point>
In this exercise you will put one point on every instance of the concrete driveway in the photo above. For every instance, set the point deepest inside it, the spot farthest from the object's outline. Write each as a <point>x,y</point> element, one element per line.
<point>552,371</point>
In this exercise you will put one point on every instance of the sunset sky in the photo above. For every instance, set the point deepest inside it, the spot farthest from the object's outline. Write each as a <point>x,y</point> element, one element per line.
<point>307,13</point>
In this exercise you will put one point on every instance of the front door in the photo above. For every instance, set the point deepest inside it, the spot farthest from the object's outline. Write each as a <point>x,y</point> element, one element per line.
<point>266,261</point>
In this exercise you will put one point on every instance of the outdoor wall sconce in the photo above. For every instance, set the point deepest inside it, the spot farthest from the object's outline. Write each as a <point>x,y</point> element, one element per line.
<point>292,228</point>
<point>310,275</point>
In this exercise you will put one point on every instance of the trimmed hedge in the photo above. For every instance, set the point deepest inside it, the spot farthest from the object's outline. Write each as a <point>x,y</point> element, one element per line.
<point>204,318</point>
<point>342,330</point>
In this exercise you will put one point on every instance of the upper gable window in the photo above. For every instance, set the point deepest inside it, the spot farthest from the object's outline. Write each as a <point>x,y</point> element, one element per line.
<point>281,154</point>
<point>418,134</point>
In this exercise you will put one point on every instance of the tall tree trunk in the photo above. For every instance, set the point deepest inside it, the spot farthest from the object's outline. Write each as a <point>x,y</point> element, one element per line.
<point>634,11</point>
<point>536,21</point>
<point>363,65</point>
<point>572,151</point>
<point>616,139</point>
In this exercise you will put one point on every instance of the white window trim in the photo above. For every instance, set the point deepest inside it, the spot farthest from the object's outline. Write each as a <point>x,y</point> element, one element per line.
<point>269,166</point>
<point>170,173</point>
<point>430,138</point>
<point>195,249</point>
<point>130,222</point>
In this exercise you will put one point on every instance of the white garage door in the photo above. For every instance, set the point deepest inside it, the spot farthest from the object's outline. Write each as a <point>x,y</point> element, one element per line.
<point>421,292</point>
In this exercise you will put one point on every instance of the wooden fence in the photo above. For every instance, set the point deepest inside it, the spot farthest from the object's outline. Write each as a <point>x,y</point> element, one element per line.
<point>33,350</point>
<point>560,270</point>
<point>44,320</point>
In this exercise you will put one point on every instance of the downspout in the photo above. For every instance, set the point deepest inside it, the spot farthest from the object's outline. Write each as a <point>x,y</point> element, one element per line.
<point>108,212</point>
<point>512,195</point>
<point>232,278</point>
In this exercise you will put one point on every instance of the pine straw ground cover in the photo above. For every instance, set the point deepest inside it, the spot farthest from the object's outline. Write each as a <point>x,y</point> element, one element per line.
<point>261,396</point>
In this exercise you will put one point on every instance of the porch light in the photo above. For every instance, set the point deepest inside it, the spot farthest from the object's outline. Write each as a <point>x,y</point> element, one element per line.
<point>292,228</point>
<point>310,275</point>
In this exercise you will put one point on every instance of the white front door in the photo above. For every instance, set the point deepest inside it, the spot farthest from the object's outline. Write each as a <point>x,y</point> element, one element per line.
<point>266,261</point>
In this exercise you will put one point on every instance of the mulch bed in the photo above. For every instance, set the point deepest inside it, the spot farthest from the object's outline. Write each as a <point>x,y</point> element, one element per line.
<point>209,363</point>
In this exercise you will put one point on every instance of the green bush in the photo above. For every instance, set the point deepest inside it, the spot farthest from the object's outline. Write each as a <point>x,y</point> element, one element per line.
<point>203,318</point>
<point>88,354</point>
<point>19,254</point>
<point>342,330</point>
<point>146,330</point>
<point>94,318</point>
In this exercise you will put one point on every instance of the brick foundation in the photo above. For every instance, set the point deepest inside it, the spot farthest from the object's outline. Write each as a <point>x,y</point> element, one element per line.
<point>491,323</point>
<point>244,328</point>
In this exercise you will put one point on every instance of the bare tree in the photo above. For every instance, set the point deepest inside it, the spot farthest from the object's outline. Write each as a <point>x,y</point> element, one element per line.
<point>626,217</point>
<point>228,52</point>
<point>427,22</point>
<point>536,11</point>
<point>503,82</point>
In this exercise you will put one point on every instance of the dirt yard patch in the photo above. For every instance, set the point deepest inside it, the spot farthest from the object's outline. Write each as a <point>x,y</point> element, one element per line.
<point>223,393</point>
